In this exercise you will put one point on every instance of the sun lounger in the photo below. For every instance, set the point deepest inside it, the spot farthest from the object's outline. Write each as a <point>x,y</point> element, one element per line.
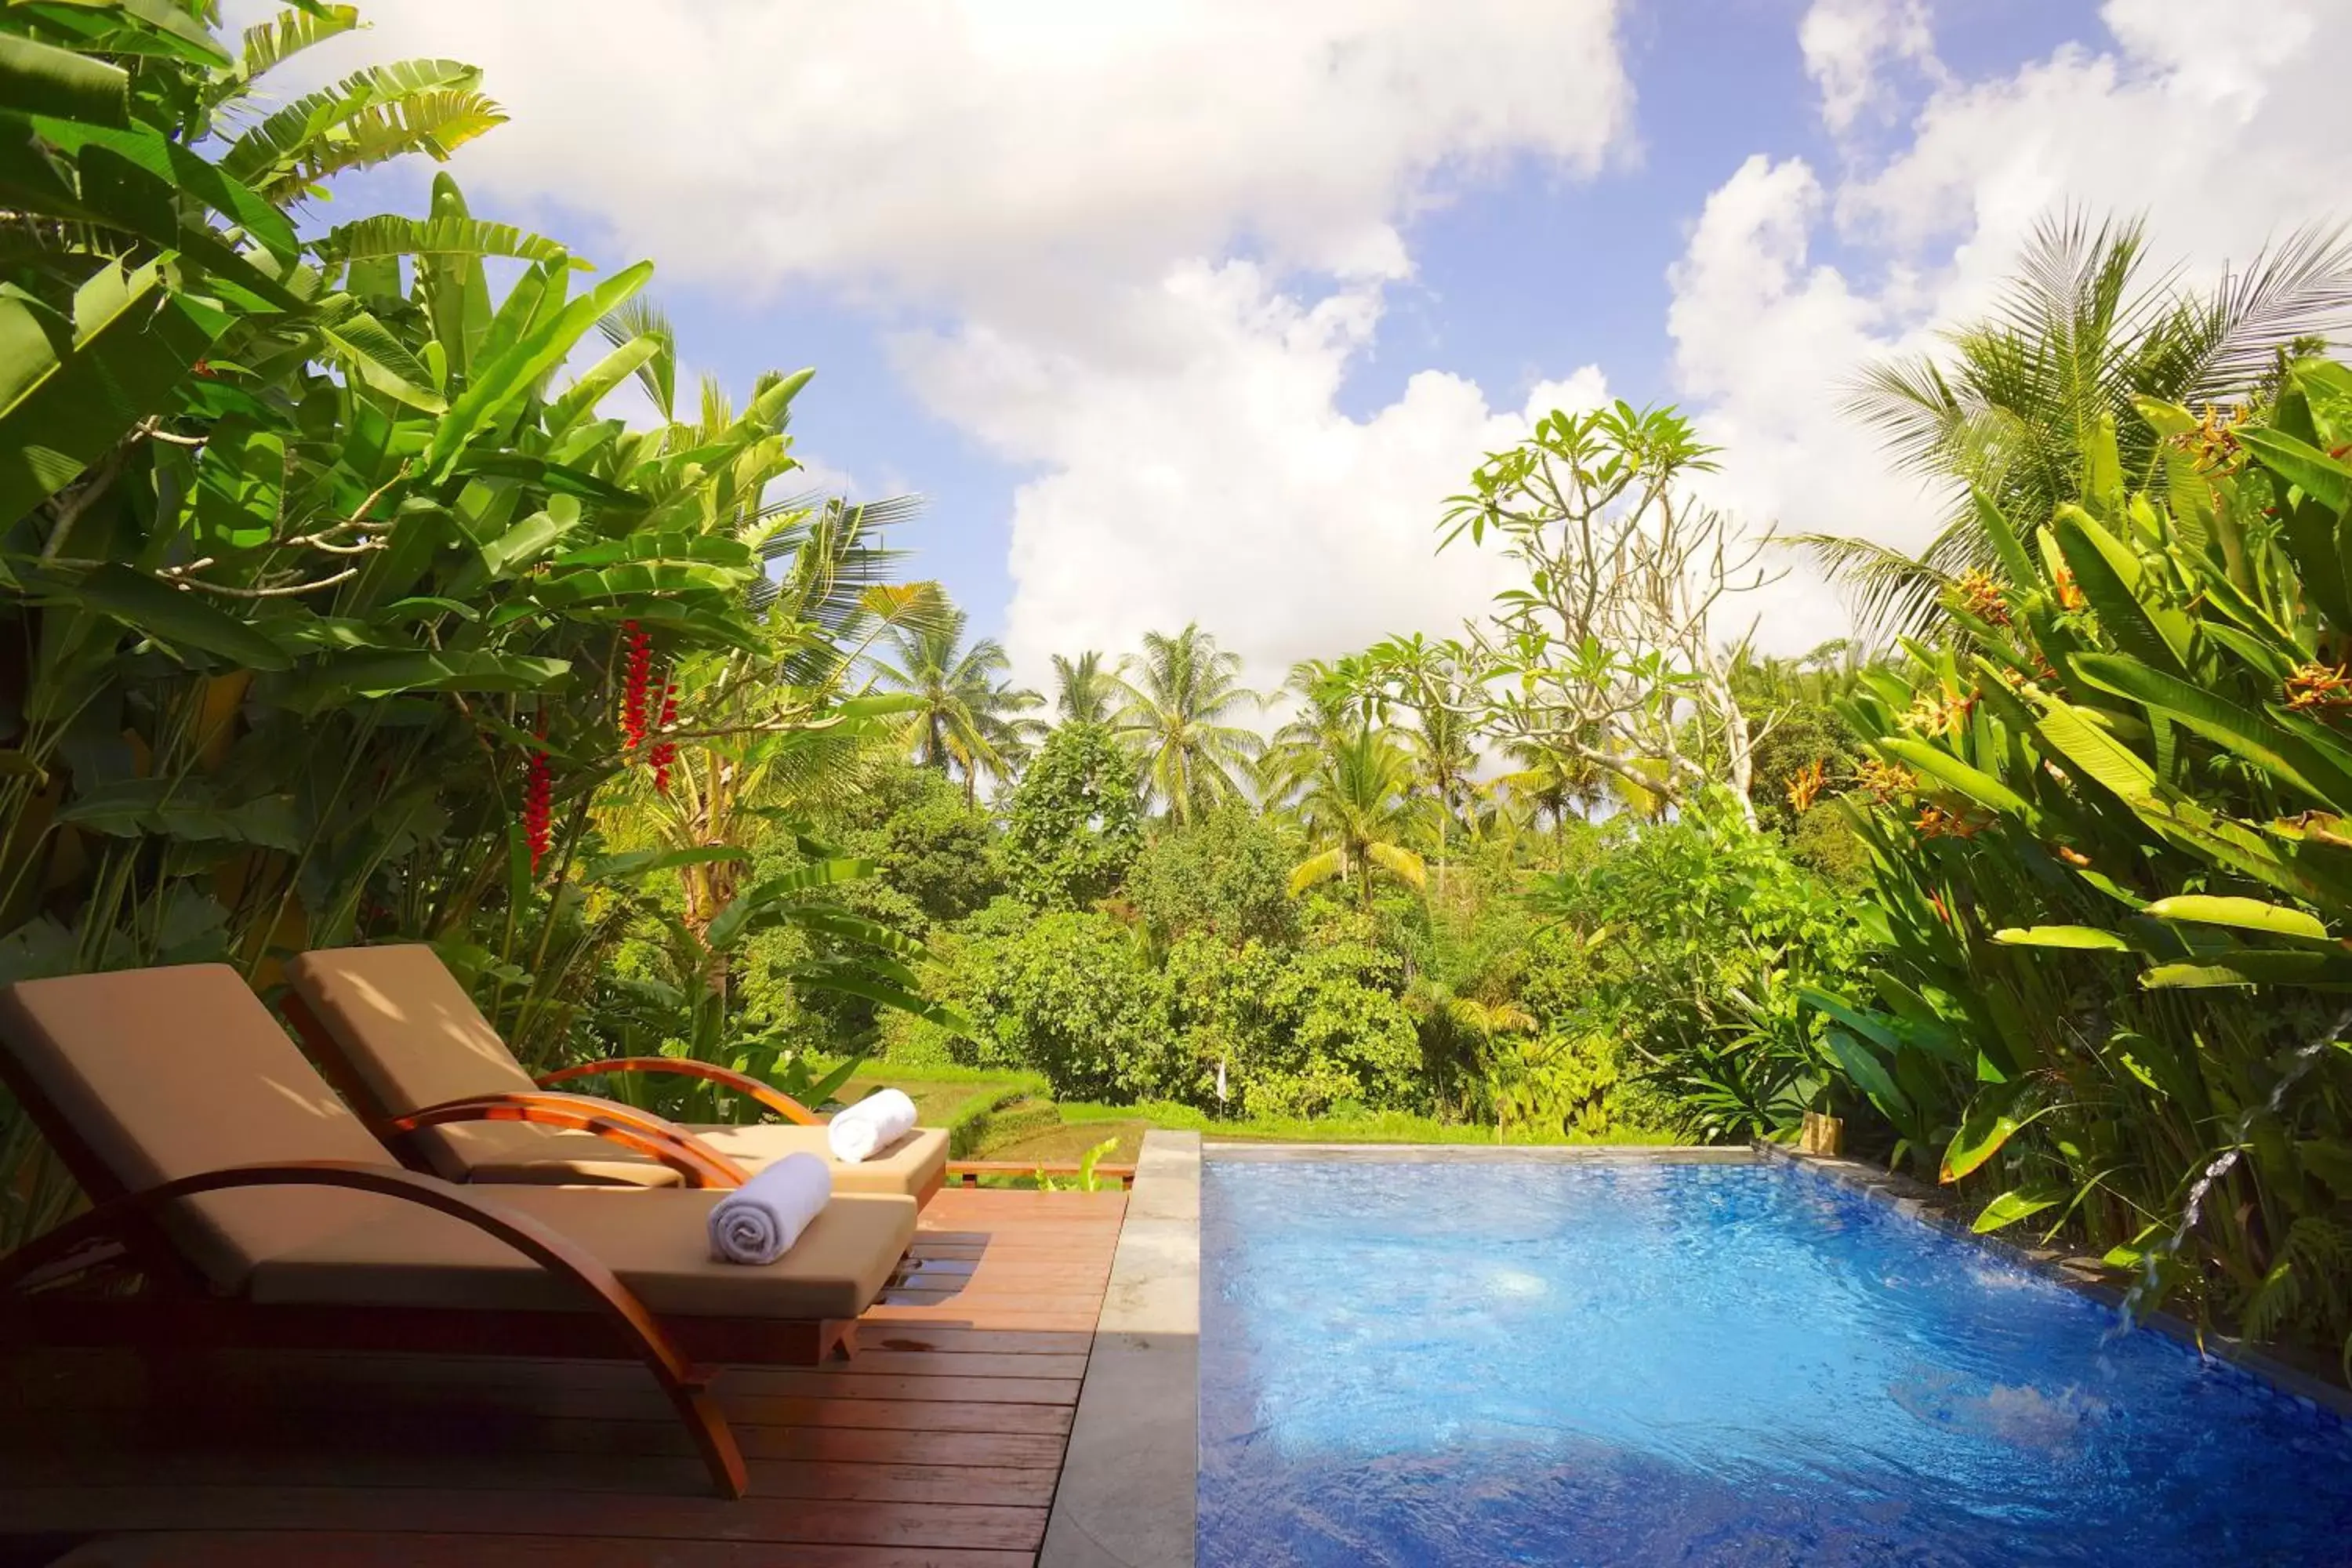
<point>402,1040</point>
<point>257,1210</point>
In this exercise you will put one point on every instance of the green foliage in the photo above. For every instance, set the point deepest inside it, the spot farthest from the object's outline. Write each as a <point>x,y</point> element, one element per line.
<point>1069,995</point>
<point>322,602</point>
<point>1824,842</point>
<point>1226,875</point>
<point>934,853</point>
<point>1690,940</point>
<point>2111,867</point>
<point>1348,1034</point>
<point>1071,831</point>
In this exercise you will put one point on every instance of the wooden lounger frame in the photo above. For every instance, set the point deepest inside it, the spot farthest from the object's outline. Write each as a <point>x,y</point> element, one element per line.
<point>176,1307</point>
<point>774,1099</point>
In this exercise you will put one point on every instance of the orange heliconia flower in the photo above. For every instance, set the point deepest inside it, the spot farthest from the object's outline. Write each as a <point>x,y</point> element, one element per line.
<point>1885,781</point>
<point>2319,688</point>
<point>1934,822</point>
<point>1978,593</point>
<point>1806,788</point>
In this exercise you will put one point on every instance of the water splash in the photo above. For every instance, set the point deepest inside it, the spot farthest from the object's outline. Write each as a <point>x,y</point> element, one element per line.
<point>2299,1065</point>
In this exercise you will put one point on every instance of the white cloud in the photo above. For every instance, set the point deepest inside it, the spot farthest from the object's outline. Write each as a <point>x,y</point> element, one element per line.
<point>1849,45</point>
<point>1006,147</point>
<point>1063,185</point>
<point>1207,474</point>
<point>2226,138</point>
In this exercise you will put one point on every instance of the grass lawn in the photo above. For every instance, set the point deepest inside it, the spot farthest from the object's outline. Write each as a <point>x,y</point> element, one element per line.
<point>1010,1116</point>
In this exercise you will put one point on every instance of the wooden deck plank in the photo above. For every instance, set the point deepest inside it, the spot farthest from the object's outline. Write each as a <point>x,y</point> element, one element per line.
<point>1030,1487</point>
<point>329,1549</point>
<point>548,1456</point>
<point>941,1444</point>
<point>67,1510</point>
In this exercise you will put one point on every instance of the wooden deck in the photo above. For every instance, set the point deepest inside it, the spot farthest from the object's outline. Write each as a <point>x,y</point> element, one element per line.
<point>940,1444</point>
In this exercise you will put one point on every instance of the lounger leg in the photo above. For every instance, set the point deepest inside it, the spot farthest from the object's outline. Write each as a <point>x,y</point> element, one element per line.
<point>706,1423</point>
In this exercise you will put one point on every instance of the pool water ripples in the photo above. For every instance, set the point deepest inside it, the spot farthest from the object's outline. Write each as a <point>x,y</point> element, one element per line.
<point>1647,1362</point>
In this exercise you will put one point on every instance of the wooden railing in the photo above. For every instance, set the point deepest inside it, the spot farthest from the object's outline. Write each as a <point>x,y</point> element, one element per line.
<point>968,1172</point>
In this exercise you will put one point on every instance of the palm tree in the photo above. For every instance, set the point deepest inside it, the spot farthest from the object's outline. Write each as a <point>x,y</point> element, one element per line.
<point>1325,716</point>
<point>1177,715</point>
<point>1458,1032</point>
<point>1359,807</point>
<point>966,719</point>
<point>2012,412</point>
<point>1084,692</point>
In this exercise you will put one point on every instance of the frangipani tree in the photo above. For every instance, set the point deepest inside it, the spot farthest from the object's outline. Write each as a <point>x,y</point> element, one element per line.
<point>1610,654</point>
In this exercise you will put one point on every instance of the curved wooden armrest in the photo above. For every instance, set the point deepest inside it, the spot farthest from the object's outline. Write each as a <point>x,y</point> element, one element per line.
<point>774,1099</point>
<point>686,1383</point>
<point>691,1157</point>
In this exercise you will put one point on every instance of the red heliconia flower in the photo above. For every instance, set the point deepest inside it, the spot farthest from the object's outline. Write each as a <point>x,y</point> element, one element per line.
<point>666,752</point>
<point>539,802</point>
<point>637,675</point>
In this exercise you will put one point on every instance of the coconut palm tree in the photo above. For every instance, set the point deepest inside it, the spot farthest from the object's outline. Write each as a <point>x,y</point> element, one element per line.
<point>1177,716</point>
<point>968,721</point>
<point>1325,715</point>
<point>1359,809</point>
<point>2019,399</point>
<point>1086,691</point>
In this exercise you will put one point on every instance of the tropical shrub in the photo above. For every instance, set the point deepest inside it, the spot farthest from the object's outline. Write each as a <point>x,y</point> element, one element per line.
<point>331,618</point>
<point>1068,993</point>
<point>2111,867</point>
<point>934,853</point>
<point>1226,875</point>
<point>1342,1036</point>
<point>1697,934</point>
<point>1070,830</point>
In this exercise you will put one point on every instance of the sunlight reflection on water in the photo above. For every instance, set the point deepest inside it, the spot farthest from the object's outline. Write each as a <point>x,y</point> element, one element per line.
<point>1424,1363</point>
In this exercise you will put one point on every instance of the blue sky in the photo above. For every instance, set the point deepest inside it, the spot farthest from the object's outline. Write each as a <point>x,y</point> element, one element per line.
<point>1521,273</point>
<point>1179,310</point>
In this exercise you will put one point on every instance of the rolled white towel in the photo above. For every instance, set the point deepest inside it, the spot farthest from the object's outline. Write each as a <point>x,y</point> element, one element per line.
<point>870,1126</point>
<point>758,1221</point>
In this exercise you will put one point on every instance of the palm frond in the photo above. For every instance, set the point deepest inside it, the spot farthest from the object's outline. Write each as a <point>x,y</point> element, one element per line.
<point>640,318</point>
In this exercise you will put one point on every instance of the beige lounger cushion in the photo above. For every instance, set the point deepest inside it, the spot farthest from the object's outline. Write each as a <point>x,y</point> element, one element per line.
<point>172,1072</point>
<point>655,1241</point>
<point>556,1157</point>
<point>415,1038</point>
<point>913,1165</point>
<point>915,1162</point>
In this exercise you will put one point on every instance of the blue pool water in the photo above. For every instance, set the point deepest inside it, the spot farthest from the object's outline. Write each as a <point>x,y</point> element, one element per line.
<point>1631,1364</point>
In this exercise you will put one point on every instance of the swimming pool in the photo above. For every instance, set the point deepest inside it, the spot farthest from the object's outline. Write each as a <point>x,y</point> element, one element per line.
<point>1637,1362</point>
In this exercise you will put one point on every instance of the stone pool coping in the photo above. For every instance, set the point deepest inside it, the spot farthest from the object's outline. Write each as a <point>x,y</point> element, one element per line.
<point>2086,1276</point>
<point>1130,1476</point>
<point>1481,1153</point>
